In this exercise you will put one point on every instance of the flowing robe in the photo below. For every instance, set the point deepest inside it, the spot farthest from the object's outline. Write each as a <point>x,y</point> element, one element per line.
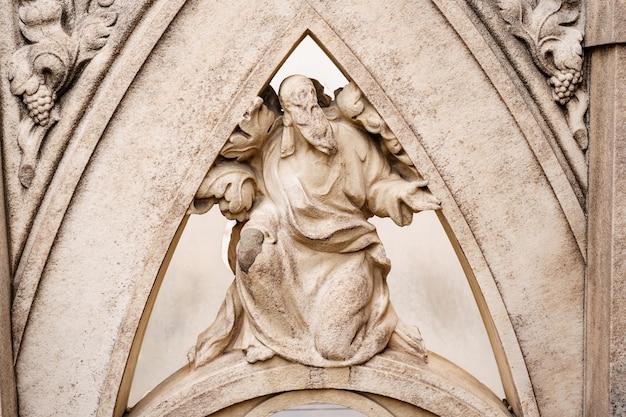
<point>316,293</point>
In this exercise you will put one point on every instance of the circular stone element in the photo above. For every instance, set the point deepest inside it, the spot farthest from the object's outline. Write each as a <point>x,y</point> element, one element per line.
<point>439,386</point>
<point>346,399</point>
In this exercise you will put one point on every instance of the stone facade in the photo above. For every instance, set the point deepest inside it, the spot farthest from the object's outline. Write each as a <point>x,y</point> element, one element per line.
<point>114,111</point>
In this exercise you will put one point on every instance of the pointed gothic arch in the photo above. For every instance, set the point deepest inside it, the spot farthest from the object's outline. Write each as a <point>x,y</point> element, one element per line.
<point>489,264</point>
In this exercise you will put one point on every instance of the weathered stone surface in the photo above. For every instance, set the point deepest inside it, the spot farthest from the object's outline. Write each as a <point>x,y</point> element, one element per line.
<point>606,293</point>
<point>8,116</point>
<point>605,22</point>
<point>8,397</point>
<point>139,147</point>
<point>439,388</point>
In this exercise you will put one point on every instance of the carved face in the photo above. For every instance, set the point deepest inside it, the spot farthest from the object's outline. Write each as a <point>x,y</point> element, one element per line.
<point>297,92</point>
<point>299,100</point>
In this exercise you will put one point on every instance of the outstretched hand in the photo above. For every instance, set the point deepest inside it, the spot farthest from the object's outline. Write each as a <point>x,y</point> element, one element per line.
<point>416,198</point>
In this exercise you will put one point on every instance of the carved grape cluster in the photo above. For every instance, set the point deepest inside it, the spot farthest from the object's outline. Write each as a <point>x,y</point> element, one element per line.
<point>564,84</point>
<point>39,104</point>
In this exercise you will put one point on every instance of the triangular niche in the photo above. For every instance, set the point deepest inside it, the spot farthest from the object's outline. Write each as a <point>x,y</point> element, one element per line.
<point>427,284</point>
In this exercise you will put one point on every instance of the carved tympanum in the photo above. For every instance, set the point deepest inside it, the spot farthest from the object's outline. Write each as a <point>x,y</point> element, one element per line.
<point>546,26</point>
<point>62,37</point>
<point>301,174</point>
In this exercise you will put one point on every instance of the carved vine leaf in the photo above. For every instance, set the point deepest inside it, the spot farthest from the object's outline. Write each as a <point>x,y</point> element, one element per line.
<point>546,26</point>
<point>61,41</point>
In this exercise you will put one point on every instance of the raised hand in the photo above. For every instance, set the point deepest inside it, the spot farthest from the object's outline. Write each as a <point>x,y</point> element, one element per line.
<point>416,198</point>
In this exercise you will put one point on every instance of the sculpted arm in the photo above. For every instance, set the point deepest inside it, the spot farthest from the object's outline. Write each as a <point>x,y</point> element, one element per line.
<point>233,182</point>
<point>395,189</point>
<point>390,195</point>
<point>232,186</point>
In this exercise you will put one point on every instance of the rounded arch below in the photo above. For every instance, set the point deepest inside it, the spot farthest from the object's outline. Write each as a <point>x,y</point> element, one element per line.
<point>346,399</point>
<point>438,387</point>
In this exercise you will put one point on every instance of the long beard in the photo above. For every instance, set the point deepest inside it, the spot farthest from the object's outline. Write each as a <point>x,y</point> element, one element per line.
<point>316,129</point>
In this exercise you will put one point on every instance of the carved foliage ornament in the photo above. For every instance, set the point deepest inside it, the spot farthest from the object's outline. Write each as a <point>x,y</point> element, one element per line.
<point>62,36</point>
<point>547,27</point>
<point>301,174</point>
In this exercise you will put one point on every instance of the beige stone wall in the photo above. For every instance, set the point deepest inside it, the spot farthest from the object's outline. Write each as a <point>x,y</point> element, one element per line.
<point>142,123</point>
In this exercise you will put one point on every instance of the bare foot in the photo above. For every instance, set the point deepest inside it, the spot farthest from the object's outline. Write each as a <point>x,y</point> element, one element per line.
<point>255,353</point>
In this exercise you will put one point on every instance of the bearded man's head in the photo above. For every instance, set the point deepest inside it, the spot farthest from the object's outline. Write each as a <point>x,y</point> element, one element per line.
<point>298,99</point>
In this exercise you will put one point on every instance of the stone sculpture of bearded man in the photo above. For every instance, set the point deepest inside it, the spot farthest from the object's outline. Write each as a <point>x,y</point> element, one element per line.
<point>310,270</point>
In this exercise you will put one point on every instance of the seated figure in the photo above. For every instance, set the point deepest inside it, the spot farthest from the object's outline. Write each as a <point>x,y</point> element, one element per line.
<point>301,175</point>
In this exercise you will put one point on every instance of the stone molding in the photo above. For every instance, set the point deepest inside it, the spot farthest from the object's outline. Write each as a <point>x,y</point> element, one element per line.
<point>440,388</point>
<point>605,386</point>
<point>605,22</point>
<point>605,383</point>
<point>8,394</point>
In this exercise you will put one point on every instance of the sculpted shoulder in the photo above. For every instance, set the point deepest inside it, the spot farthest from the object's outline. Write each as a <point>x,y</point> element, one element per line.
<point>352,138</point>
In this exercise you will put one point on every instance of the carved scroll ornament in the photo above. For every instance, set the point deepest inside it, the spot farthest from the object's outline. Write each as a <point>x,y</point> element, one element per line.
<point>310,270</point>
<point>546,26</point>
<point>62,37</point>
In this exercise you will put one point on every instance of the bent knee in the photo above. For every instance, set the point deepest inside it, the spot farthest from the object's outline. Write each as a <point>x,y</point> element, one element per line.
<point>339,341</point>
<point>334,350</point>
